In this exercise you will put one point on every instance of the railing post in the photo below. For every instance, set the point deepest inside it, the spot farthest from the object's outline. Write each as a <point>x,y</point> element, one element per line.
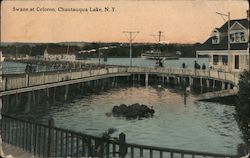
<point>43,78</point>
<point>26,80</point>
<point>122,145</point>
<point>51,137</point>
<point>242,150</point>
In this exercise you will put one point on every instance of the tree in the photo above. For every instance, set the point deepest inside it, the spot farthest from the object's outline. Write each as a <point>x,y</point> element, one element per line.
<point>242,106</point>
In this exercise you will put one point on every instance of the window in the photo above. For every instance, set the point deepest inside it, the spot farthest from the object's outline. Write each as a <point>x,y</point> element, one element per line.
<point>237,37</point>
<point>224,59</point>
<point>215,40</point>
<point>232,38</point>
<point>215,59</point>
<point>242,35</point>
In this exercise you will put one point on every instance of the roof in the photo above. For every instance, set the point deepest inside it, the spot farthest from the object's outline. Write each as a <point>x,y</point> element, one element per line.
<point>243,22</point>
<point>61,50</point>
<point>223,45</point>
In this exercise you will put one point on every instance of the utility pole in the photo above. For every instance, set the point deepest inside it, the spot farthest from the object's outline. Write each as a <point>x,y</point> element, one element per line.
<point>228,40</point>
<point>30,50</point>
<point>99,55</point>
<point>159,41</point>
<point>68,49</point>
<point>16,53</point>
<point>129,35</point>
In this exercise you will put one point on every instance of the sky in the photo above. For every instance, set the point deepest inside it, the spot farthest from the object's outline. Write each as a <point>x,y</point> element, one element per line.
<point>181,21</point>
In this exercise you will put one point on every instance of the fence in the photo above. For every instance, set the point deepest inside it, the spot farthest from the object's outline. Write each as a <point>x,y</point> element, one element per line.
<point>50,141</point>
<point>11,82</point>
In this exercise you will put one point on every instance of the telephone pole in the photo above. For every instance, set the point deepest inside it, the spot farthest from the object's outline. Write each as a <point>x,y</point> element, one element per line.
<point>131,37</point>
<point>228,40</point>
<point>158,40</point>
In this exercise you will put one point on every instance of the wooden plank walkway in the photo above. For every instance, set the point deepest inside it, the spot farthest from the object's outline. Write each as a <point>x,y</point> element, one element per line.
<point>217,94</point>
<point>16,152</point>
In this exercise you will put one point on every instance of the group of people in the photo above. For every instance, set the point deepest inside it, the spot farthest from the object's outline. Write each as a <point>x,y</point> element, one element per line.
<point>29,68</point>
<point>196,65</point>
<point>159,62</point>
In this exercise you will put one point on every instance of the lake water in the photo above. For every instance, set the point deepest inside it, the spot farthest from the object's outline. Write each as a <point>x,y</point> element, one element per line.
<point>10,67</point>
<point>189,62</point>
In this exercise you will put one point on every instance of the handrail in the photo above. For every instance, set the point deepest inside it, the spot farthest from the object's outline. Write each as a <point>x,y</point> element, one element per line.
<point>69,136</point>
<point>180,151</point>
<point>13,82</point>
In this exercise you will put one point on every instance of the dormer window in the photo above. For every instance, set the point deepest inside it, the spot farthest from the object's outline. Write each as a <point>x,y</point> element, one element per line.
<point>242,36</point>
<point>238,33</point>
<point>215,40</point>
<point>215,36</point>
<point>238,37</point>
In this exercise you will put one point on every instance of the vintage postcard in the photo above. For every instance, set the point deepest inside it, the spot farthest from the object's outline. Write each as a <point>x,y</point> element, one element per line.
<point>124,78</point>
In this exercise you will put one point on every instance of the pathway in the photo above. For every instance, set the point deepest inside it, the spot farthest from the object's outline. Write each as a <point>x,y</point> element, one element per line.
<point>16,152</point>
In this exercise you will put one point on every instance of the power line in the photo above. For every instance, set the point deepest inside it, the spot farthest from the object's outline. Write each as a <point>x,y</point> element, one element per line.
<point>158,40</point>
<point>159,35</point>
<point>131,35</point>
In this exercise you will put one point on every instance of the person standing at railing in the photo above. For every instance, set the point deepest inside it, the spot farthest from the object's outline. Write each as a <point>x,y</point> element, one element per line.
<point>183,65</point>
<point>196,65</point>
<point>203,67</point>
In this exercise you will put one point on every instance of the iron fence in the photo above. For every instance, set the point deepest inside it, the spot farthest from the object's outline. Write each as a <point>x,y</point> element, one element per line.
<point>51,141</point>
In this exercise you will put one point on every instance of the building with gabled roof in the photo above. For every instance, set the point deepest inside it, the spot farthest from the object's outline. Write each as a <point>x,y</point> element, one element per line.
<point>60,53</point>
<point>222,57</point>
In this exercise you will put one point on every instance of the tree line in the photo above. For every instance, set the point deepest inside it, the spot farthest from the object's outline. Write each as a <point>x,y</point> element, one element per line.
<point>117,50</point>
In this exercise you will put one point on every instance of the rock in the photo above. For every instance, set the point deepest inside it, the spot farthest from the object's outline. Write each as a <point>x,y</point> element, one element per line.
<point>133,111</point>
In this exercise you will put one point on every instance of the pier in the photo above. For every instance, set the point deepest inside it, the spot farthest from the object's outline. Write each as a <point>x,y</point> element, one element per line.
<point>20,83</point>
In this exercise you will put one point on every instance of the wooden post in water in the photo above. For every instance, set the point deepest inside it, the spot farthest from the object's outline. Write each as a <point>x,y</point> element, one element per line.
<point>66,92</point>
<point>167,79</point>
<point>122,145</point>
<point>207,82</point>
<point>27,80</point>
<point>33,97</point>
<point>163,79</point>
<point>54,96</point>
<point>28,102</point>
<point>223,85</point>
<point>191,81</point>
<point>51,137</point>
<point>213,85</point>
<point>16,100</point>
<point>201,84</point>
<point>146,79</point>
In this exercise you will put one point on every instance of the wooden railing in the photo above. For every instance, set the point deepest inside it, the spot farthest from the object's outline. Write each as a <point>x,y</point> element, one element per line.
<point>51,141</point>
<point>11,82</point>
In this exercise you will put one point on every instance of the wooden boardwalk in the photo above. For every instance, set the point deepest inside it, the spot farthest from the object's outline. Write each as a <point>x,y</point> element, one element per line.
<point>16,152</point>
<point>217,94</point>
<point>35,81</point>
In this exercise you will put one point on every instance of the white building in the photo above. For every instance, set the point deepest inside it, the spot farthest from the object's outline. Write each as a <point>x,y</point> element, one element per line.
<point>60,53</point>
<point>235,59</point>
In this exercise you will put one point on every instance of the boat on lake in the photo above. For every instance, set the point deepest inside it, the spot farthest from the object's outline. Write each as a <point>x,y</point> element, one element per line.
<point>153,55</point>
